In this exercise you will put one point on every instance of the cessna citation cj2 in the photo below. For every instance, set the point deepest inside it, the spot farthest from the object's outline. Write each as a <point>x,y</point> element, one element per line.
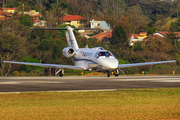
<point>92,59</point>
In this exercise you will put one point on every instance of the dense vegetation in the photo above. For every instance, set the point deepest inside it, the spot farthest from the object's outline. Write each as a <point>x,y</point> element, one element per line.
<point>19,43</point>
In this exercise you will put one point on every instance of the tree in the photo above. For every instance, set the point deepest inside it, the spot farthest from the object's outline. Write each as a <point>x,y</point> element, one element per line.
<point>152,30</point>
<point>28,68</point>
<point>158,45</point>
<point>112,11</point>
<point>12,47</point>
<point>160,21</point>
<point>5,68</point>
<point>137,19</point>
<point>119,37</point>
<point>12,42</point>
<point>138,46</point>
<point>119,43</point>
<point>153,8</point>
<point>175,26</point>
<point>171,37</point>
<point>26,20</point>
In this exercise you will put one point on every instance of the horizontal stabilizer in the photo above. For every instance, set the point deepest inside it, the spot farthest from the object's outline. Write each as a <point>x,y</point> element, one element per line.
<point>64,28</point>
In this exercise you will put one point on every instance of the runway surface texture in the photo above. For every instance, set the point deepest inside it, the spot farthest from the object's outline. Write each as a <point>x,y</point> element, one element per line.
<point>80,83</point>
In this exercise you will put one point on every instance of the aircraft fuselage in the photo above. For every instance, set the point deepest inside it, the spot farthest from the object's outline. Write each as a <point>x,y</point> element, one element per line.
<point>95,59</point>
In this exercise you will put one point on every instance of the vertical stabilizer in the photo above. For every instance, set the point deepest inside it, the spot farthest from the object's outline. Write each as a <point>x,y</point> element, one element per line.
<point>71,38</point>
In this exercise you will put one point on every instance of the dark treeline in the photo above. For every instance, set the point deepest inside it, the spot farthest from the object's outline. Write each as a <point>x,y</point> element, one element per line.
<point>19,43</point>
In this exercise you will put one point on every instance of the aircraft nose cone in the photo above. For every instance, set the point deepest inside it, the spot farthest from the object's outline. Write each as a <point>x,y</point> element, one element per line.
<point>109,63</point>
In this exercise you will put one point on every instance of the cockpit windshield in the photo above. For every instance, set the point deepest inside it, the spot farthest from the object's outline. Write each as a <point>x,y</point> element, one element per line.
<point>104,54</point>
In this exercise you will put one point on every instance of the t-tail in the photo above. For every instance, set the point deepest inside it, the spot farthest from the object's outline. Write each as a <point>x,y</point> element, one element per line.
<point>71,38</point>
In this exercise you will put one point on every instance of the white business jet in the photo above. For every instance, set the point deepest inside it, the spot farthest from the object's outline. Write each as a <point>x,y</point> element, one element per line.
<point>91,59</point>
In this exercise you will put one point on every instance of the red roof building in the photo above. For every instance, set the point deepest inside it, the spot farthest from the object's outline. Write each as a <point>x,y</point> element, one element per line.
<point>6,13</point>
<point>162,34</point>
<point>36,20</point>
<point>5,16</point>
<point>106,36</point>
<point>75,20</point>
<point>37,16</point>
<point>8,8</point>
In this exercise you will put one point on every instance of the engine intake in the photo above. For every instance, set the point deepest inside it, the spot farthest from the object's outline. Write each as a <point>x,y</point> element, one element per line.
<point>68,52</point>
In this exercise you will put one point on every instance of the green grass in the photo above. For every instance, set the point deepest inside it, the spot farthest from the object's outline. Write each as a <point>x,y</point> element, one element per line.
<point>130,104</point>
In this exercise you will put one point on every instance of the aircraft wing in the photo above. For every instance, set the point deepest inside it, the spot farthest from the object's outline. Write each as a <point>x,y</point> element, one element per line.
<point>46,65</point>
<point>142,64</point>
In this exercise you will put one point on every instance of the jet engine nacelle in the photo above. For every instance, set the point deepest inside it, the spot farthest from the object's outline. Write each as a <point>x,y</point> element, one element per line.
<point>68,52</point>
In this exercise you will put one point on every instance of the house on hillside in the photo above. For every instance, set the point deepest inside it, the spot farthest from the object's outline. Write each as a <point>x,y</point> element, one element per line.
<point>163,34</point>
<point>103,37</point>
<point>37,22</point>
<point>30,13</point>
<point>5,16</point>
<point>35,15</point>
<point>75,20</point>
<point>40,23</point>
<point>6,13</point>
<point>99,24</point>
<point>8,10</point>
<point>137,37</point>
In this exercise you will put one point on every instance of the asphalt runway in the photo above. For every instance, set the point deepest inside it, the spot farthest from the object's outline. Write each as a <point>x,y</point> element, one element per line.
<point>81,83</point>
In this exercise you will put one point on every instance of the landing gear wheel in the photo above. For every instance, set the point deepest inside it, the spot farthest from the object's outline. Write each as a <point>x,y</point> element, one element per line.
<point>108,73</point>
<point>116,72</point>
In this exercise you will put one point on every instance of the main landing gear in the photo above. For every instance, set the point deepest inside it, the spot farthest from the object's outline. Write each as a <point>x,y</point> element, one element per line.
<point>61,72</point>
<point>116,72</point>
<point>108,73</point>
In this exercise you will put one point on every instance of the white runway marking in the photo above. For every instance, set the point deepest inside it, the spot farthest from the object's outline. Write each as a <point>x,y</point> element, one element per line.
<point>28,82</point>
<point>60,91</point>
<point>8,83</point>
<point>154,80</point>
<point>167,81</point>
<point>84,90</point>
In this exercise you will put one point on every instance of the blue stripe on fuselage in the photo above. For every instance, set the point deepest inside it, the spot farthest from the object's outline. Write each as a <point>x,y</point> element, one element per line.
<point>84,60</point>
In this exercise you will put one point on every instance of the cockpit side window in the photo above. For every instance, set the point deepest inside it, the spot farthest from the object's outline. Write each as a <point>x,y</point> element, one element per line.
<point>101,54</point>
<point>108,54</point>
<point>104,54</point>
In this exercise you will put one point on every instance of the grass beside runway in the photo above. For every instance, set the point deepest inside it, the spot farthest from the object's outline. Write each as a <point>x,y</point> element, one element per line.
<point>162,103</point>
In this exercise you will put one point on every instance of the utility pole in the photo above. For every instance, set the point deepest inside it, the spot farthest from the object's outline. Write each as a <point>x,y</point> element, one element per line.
<point>177,14</point>
<point>3,3</point>
<point>23,8</point>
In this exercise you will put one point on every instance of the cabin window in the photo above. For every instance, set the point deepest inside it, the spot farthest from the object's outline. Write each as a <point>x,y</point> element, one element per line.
<point>96,54</point>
